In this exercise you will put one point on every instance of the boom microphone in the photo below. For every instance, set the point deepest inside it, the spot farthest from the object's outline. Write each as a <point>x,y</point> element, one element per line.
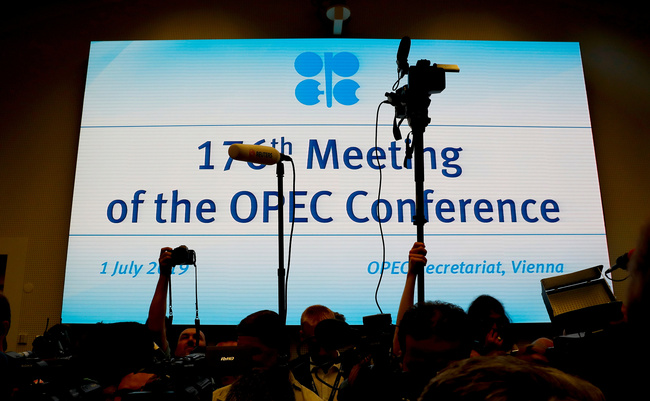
<point>256,154</point>
<point>621,262</point>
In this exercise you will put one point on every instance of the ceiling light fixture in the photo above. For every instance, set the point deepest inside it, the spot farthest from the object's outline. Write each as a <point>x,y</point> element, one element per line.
<point>338,14</point>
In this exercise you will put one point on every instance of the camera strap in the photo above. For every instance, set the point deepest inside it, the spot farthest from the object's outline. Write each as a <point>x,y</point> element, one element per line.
<point>171,312</point>
<point>197,322</point>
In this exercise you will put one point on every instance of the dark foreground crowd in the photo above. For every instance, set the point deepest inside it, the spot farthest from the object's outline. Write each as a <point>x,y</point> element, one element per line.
<point>434,351</point>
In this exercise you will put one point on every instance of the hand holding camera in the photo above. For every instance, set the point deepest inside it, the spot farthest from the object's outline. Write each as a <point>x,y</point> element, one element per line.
<point>173,257</point>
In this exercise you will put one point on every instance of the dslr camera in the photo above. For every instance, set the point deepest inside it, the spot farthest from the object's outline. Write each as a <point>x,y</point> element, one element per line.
<point>183,256</point>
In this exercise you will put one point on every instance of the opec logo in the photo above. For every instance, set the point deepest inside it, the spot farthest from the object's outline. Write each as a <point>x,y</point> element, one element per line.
<point>342,64</point>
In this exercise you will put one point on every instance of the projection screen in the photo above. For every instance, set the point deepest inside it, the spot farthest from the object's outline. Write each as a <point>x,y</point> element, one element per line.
<point>511,186</point>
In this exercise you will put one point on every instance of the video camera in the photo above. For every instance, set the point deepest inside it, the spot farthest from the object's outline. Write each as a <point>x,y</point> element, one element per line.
<point>412,100</point>
<point>373,341</point>
<point>195,376</point>
<point>49,371</point>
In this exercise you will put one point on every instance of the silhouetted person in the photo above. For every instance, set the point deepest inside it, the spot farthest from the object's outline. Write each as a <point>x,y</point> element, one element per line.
<point>504,378</point>
<point>428,336</point>
<point>264,335</point>
<point>5,323</point>
<point>156,320</point>
<point>490,327</point>
<point>320,369</point>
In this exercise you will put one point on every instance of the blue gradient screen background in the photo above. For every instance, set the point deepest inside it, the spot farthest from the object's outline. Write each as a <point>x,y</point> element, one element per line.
<point>153,171</point>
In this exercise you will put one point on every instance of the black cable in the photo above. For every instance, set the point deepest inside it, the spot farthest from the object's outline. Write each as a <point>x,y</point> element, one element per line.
<point>396,84</point>
<point>381,230</point>
<point>293,220</point>
<point>608,275</point>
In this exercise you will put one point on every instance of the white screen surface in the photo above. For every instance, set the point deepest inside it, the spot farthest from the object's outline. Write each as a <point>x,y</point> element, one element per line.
<point>510,177</point>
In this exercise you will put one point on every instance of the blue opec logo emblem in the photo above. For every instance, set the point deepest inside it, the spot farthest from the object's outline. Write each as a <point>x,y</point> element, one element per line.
<point>342,64</point>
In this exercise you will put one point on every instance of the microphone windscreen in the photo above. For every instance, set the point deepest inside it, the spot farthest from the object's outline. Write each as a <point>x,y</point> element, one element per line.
<point>402,55</point>
<point>404,49</point>
<point>254,153</point>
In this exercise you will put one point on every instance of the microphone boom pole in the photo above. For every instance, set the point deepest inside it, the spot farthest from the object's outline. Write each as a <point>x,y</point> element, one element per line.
<point>282,307</point>
<point>268,155</point>
<point>418,122</point>
<point>412,102</point>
